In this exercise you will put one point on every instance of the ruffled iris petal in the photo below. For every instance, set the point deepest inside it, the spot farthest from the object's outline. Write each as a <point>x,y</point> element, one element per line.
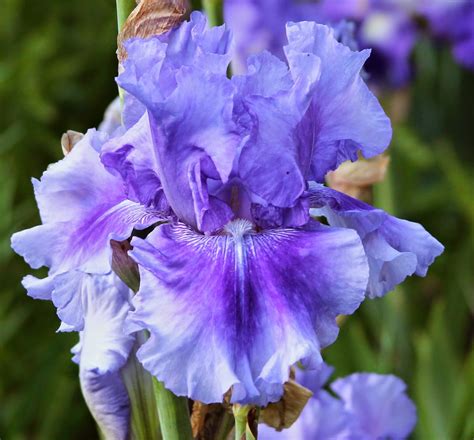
<point>79,296</point>
<point>193,137</point>
<point>395,248</point>
<point>378,405</point>
<point>194,140</point>
<point>369,407</point>
<point>271,101</point>
<point>103,350</point>
<point>38,288</point>
<point>260,25</point>
<point>131,156</point>
<point>238,309</point>
<point>151,66</point>
<point>83,207</point>
<point>344,116</point>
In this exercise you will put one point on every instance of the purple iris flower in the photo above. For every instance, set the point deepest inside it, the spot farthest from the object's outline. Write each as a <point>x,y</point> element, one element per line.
<point>237,281</point>
<point>385,26</point>
<point>453,21</point>
<point>367,407</point>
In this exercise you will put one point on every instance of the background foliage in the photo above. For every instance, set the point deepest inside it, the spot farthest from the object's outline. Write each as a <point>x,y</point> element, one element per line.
<point>57,63</point>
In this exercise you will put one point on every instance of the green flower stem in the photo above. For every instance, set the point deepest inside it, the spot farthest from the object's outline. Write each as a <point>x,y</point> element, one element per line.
<point>225,427</point>
<point>144,417</point>
<point>213,10</point>
<point>393,308</point>
<point>383,194</point>
<point>241,416</point>
<point>124,7</point>
<point>173,412</point>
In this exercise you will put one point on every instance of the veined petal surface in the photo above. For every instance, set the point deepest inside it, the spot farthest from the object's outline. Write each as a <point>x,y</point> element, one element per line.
<point>238,309</point>
<point>108,402</point>
<point>193,137</point>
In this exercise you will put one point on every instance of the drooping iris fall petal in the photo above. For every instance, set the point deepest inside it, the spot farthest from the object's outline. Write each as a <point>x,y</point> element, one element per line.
<point>244,304</point>
<point>395,248</point>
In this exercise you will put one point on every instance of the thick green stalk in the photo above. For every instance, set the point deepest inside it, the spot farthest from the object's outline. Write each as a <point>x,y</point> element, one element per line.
<point>245,416</point>
<point>213,10</point>
<point>384,194</point>
<point>225,427</point>
<point>173,412</point>
<point>392,309</point>
<point>144,417</point>
<point>124,7</point>
<point>240,417</point>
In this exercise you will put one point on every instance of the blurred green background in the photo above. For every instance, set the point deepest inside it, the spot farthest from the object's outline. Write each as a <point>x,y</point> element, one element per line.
<point>57,66</point>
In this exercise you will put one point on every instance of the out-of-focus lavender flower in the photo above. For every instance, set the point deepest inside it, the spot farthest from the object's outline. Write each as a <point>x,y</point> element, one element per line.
<point>452,21</point>
<point>385,26</point>
<point>260,25</point>
<point>240,282</point>
<point>378,405</point>
<point>367,407</point>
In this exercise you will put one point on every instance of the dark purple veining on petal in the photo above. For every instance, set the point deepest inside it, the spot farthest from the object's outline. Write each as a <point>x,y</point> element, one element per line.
<point>248,303</point>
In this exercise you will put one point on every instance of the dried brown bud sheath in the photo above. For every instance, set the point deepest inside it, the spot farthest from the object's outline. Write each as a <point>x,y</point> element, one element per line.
<point>69,139</point>
<point>282,414</point>
<point>151,17</point>
<point>356,178</point>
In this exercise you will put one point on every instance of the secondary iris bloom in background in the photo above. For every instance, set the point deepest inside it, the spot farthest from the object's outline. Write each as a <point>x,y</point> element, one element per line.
<point>367,407</point>
<point>237,281</point>
<point>385,26</point>
<point>390,28</point>
<point>452,21</point>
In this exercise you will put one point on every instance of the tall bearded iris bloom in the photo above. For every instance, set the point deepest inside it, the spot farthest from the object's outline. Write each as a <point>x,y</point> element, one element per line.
<point>237,281</point>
